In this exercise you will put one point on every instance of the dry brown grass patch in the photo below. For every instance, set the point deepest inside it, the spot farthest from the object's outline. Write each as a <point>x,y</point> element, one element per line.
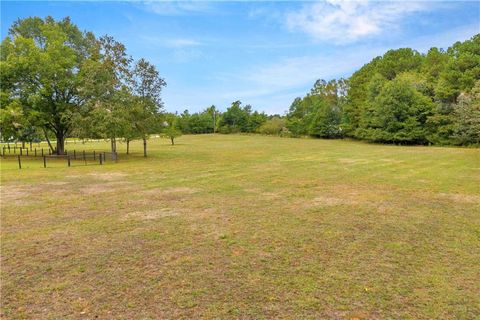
<point>106,187</point>
<point>153,214</point>
<point>108,176</point>
<point>461,197</point>
<point>353,161</point>
<point>332,201</point>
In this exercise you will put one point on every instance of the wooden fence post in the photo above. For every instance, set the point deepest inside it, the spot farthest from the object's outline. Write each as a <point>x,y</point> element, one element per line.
<point>68,160</point>
<point>100,157</point>
<point>19,162</point>
<point>44,160</point>
<point>27,151</point>
<point>75,154</point>
<point>84,159</point>
<point>94,155</point>
<point>35,152</point>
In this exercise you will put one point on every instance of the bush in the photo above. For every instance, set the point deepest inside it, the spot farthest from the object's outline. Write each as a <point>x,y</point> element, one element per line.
<point>272,126</point>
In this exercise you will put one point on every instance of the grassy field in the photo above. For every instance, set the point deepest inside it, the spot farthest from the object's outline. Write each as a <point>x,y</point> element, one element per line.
<point>245,227</point>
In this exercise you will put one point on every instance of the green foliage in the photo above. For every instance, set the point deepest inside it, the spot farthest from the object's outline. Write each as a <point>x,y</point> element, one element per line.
<point>170,128</point>
<point>240,119</point>
<point>319,113</point>
<point>401,97</point>
<point>61,80</point>
<point>12,121</point>
<point>196,123</point>
<point>396,114</point>
<point>461,70</point>
<point>273,126</point>
<point>467,114</point>
<point>41,62</point>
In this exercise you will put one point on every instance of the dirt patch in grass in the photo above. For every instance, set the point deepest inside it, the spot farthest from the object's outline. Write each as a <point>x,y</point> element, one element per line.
<point>167,191</point>
<point>112,186</point>
<point>391,160</point>
<point>183,190</point>
<point>108,176</point>
<point>56,183</point>
<point>12,193</point>
<point>190,214</point>
<point>268,195</point>
<point>461,198</point>
<point>153,214</point>
<point>332,201</point>
<point>353,161</point>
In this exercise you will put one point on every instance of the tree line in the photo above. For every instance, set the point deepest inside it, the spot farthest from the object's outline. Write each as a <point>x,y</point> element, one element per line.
<point>236,119</point>
<point>402,97</point>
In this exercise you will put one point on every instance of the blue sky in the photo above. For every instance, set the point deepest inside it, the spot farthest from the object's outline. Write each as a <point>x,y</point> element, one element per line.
<point>262,53</point>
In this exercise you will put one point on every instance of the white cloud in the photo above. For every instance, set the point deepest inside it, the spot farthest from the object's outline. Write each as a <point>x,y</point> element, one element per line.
<point>273,87</point>
<point>343,21</point>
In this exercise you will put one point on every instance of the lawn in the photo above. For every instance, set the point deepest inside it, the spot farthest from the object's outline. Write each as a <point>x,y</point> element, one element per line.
<point>250,227</point>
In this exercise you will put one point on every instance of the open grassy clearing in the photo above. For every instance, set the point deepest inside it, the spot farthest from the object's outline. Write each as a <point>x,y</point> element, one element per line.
<point>245,227</point>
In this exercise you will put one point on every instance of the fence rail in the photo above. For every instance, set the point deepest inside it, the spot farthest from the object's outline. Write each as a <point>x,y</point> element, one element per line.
<point>70,156</point>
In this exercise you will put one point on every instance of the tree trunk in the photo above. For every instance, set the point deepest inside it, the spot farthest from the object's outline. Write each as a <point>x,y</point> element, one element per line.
<point>128,146</point>
<point>48,140</point>
<point>144,147</point>
<point>171,138</point>
<point>214,121</point>
<point>60,143</point>
<point>113,142</point>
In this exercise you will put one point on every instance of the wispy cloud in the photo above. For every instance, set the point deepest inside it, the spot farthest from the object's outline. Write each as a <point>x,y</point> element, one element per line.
<point>272,87</point>
<point>343,21</point>
<point>182,43</point>
<point>187,55</point>
<point>166,42</point>
<point>174,8</point>
<point>296,73</point>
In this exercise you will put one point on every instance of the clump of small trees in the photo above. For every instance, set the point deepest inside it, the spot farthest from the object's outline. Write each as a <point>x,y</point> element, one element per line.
<point>236,119</point>
<point>59,81</point>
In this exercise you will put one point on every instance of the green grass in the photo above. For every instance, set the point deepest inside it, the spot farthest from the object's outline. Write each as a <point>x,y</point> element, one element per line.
<point>249,227</point>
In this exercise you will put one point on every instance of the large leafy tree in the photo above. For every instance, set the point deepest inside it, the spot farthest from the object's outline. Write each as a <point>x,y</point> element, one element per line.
<point>41,66</point>
<point>146,87</point>
<point>105,86</point>
<point>461,70</point>
<point>398,114</point>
